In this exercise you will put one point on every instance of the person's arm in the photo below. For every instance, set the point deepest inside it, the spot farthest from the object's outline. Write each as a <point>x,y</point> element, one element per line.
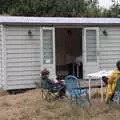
<point>50,81</point>
<point>111,78</point>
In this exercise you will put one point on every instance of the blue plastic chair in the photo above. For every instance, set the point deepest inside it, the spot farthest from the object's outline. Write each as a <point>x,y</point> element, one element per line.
<point>74,92</point>
<point>116,97</point>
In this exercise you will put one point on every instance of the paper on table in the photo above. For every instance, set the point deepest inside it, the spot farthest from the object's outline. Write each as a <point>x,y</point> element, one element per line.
<point>99,74</point>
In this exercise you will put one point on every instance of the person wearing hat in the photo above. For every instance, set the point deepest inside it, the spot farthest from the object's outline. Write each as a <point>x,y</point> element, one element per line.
<point>50,85</point>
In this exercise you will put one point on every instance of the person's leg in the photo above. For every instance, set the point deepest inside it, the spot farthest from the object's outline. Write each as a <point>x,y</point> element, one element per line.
<point>117,87</point>
<point>118,83</point>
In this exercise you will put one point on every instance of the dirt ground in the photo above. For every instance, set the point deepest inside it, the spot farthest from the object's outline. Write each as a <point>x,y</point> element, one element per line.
<point>29,106</point>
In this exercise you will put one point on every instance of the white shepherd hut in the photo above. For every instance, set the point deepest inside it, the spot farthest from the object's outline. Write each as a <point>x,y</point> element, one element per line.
<point>30,44</point>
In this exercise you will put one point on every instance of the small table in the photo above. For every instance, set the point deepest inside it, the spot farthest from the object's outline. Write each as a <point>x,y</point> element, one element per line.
<point>98,76</point>
<point>101,87</point>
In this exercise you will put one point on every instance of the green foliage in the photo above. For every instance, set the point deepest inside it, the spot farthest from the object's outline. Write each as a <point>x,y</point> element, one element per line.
<point>60,8</point>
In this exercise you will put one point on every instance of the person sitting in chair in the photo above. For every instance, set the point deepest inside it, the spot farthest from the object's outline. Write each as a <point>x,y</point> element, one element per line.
<point>50,85</point>
<point>111,82</point>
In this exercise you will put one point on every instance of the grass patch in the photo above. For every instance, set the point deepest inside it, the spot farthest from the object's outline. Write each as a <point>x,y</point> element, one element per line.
<point>3,93</point>
<point>29,106</point>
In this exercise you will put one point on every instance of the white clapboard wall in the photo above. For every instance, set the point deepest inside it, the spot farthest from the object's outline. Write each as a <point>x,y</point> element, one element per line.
<point>0,56</point>
<point>90,48</point>
<point>109,47</point>
<point>22,56</point>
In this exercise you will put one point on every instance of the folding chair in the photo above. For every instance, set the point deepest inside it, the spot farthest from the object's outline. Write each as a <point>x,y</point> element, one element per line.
<point>47,91</point>
<point>74,92</point>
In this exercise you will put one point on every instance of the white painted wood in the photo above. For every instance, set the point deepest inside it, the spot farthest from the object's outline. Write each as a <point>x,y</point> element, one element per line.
<point>103,57</point>
<point>0,56</point>
<point>23,64</point>
<point>22,32</point>
<point>28,51</point>
<point>23,56</point>
<point>4,62</point>
<point>23,51</point>
<point>22,42</point>
<point>24,78</point>
<point>41,46</point>
<point>54,54</point>
<point>29,55</point>
<point>108,61</point>
<point>22,37</point>
<point>105,40</point>
<point>23,46</point>
<point>46,51</point>
<point>22,82</point>
<point>109,47</point>
<point>24,73</point>
<point>93,64</point>
<point>101,89</point>
<point>89,88</point>
<point>21,69</point>
<point>98,48</point>
<point>83,50</point>
<point>35,59</point>
<point>22,27</point>
<point>21,86</point>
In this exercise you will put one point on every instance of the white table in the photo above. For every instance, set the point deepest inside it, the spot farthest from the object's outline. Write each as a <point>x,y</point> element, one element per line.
<point>101,88</point>
<point>98,76</point>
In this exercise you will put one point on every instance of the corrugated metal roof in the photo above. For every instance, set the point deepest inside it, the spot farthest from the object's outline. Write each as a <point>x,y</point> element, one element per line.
<point>58,20</point>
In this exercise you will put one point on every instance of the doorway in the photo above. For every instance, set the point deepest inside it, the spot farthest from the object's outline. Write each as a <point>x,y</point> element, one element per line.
<point>68,42</point>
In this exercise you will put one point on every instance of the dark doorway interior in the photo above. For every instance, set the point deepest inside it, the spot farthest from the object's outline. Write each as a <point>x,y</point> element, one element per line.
<point>69,51</point>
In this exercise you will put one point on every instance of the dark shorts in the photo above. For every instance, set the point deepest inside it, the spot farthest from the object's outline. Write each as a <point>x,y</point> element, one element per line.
<point>58,87</point>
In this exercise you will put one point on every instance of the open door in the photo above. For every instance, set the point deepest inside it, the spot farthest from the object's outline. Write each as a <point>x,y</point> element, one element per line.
<point>48,50</point>
<point>90,50</point>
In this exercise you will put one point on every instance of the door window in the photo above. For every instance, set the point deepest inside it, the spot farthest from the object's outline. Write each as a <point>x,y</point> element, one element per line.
<point>47,47</point>
<point>91,45</point>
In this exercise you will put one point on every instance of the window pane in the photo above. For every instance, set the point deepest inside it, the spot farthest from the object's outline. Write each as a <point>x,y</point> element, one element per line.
<point>91,45</point>
<point>47,47</point>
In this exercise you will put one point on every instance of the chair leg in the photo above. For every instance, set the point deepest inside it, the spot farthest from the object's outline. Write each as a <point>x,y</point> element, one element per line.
<point>87,97</point>
<point>45,95</point>
<point>51,96</point>
<point>119,99</point>
<point>70,99</point>
<point>81,101</point>
<point>76,98</point>
<point>42,94</point>
<point>48,96</point>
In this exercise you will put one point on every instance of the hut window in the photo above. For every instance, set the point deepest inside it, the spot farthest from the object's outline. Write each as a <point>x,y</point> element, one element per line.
<point>47,47</point>
<point>91,45</point>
